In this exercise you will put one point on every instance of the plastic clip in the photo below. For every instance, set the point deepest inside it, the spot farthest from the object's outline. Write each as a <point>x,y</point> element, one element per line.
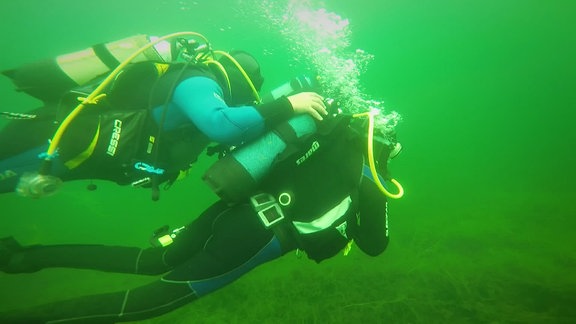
<point>48,157</point>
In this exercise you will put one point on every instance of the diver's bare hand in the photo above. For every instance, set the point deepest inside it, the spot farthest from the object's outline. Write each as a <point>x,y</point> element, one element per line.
<point>308,103</point>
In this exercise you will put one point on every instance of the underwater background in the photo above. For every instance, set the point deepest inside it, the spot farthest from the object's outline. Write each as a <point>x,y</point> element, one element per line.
<point>487,98</point>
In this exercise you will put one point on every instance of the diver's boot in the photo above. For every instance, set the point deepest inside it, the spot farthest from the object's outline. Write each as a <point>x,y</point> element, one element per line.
<point>12,256</point>
<point>8,247</point>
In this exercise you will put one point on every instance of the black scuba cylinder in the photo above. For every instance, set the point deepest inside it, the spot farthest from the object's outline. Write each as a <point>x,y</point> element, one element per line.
<point>47,80</point>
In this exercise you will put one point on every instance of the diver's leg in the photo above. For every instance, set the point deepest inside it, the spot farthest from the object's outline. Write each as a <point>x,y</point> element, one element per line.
<point>12,168</point>
<point>151,300</point>
<point>97,257</point>
<point>21,143</point>
<point>19,136</point>
<point>17,259</point>
<point>238,244</point>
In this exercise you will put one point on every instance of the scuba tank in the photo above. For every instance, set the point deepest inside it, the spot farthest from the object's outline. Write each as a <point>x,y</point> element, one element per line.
<point>236,175</point>
<point>47,80</point>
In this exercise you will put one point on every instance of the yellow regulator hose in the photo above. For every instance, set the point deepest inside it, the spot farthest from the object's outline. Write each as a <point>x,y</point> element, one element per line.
<point>372,164</point>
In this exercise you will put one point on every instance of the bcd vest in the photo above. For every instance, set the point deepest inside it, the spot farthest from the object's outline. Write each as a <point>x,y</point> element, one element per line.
<point>117,138</point>
<point>321,176</point>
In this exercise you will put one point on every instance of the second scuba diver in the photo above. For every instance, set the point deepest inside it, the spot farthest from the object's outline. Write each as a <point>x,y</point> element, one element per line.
<point>153,122</point>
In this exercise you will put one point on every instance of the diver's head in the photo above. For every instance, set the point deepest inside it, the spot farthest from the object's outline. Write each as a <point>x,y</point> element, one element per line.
<point>241,91</point>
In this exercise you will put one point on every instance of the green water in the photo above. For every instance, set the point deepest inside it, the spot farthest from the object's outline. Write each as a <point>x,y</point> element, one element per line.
<point>485,232</point>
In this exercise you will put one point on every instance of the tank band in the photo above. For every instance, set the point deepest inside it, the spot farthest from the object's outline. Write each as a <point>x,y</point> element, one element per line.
<point>105,56</point>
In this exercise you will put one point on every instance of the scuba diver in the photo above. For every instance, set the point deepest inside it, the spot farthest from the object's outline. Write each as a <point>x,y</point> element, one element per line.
<point>319,199</point>
<point>145,110</point>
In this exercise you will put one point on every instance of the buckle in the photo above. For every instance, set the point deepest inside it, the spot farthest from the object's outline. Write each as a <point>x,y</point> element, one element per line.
<point>267,208</point>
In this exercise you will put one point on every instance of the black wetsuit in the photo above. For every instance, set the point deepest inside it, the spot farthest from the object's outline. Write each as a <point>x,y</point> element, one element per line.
<point>223,243</point>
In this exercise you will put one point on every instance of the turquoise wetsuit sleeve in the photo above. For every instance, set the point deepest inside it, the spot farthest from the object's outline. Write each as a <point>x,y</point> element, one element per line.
<point>201,100</point>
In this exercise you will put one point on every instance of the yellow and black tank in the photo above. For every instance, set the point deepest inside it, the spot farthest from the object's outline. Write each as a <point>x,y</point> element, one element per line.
<point>49,79</point>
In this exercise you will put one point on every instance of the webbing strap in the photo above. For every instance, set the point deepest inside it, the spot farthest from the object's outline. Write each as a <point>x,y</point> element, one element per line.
<point>84,155</point>
<point>286,133</point>
<point>105,56</point>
